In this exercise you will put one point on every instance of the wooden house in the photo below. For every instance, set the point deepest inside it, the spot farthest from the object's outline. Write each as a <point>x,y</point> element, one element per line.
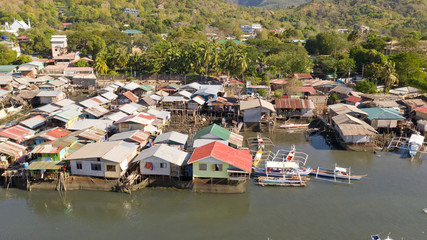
<point>11,152</point>
<point>196,103</point>
<point>161,160</point>
<point>341,91</point>
<point>383,117</point>
<point>353,130</point>
<point>173,139</point>
<point>292,107</point>
<point>340,108</point>
<point>104,159</point>
<point>47,97</point>
<point>174,102</point>
<point>222,105</point>
<point>56,150</point>
<point>139,121</point>
<point>421,113</point>
<point>217,161</point>
<point>90,135</point>
<point>256,110</point>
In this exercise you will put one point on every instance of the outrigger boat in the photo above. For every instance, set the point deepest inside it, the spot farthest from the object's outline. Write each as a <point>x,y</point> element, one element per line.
<point>280,169</point>
<point>414,144</point>
<point>377,237</point>
<point>260,144</point>
<point>292,125</point>
<point>336,173</point>
<point>425,210</point>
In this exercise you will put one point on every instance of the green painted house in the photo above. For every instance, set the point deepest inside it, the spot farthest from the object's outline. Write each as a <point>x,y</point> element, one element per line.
<point>56,150</point>
<point>219,161</point>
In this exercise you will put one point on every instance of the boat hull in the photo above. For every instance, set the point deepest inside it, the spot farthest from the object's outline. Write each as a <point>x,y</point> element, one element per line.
<point>261,172</point>
<point>290,126</point>
<point>337,176</point>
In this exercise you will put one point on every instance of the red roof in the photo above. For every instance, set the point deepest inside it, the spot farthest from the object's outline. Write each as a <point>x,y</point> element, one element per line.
<point>131,96</point>
<point>303,75</point>
<point>304,89</point>
<point>278,81</point>
<point>67,24</point>
<point>421,109</point>
<point>22,37</point>
<point>147,116</point>
<point>17,133</point>
<point>235,81</point>
<point>238,158</point>
<point>353,99</point>
<point>57,132</point>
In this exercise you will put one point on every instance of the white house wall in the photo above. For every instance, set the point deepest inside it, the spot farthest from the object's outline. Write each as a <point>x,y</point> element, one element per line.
<point>156,167</point>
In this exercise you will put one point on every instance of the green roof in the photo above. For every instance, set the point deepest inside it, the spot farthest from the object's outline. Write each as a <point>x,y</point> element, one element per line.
<point>146,87</point>
<point>214,130</point>
<point>382,113</point>
<point>39,165</point>
<point>132,31</point>
<point>7,68</point>
<point>173,85</point>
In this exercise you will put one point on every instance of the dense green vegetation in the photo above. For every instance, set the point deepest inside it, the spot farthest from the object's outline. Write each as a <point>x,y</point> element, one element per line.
<point>186,25</point>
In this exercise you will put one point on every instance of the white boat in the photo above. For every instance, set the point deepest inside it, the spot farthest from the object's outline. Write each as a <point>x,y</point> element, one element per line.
<point>292,125</point>
<point>414,144</point>
<point>425,210</point>
<point>377,237</point>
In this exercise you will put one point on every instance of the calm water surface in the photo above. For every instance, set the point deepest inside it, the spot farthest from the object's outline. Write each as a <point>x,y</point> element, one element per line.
<point>390,199</point>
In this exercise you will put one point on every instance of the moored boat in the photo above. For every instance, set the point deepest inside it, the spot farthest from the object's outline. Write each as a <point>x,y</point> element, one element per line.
<point>425,210</point>
<point>292,125</point>
<point>280,169</point>
<point>336,173</point>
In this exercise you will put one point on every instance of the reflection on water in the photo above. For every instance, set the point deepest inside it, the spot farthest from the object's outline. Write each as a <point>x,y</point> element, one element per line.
<point>389,199</point>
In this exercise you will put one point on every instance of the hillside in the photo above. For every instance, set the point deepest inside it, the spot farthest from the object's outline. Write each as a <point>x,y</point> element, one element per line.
<point>269,3</point>
<point>390,17</point>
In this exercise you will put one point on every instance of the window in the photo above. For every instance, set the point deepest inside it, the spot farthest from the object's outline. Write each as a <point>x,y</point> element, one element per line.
<point>203,167</point>
<point>79,166</point>
<point>217,167</point>
<point>95,167</point>
<point>163,165</point>
<point>125,125</point>
<point>111,168</point>
<point>98,159</point>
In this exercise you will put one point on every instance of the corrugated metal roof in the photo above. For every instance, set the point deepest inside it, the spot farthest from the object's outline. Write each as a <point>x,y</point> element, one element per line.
<point>92,133</point>
<point>34,122</point>
<point>117,151</point>
<point>115,116</point>
<point>382,113</point>
<point>130,96</point>
<point>215,130</point>
<point>163,152</point>
<point>127,108</point>
<point>341,108</point>
<point>342,89</point>
<point>131,86</point>
<point>385,103</point>
<point>55,146</point>
<point>80,124</point>
<point>173,99</point>
<point>89,103</point>
<point>136,135</point>
<point>40,165</point>
<point>244,105</point>
<point>241,159</point>
<point>17,133</point>
<point>156,97</point>
<point>293,103</point>
<point>49,93</point>
<point>351,126</point>
<point>48,108</point>
<point>421,109</point>
<point>198,100</point>
<point>120,84</point>
<point>109,96</point>
<point>303,75</point>
<point>172,137</point>
<point>100,100</point>
<point>67,115</point>
<point>12,149</point>
<point>64,102</point>
<point>184,94</point>
<point>97,111</point>
<point>353,99</point>
<point>236,139</point>
<point>53,134</point>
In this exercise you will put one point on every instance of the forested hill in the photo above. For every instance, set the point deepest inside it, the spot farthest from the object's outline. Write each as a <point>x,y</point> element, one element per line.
<point>390,17</point>
<point>269,3</point>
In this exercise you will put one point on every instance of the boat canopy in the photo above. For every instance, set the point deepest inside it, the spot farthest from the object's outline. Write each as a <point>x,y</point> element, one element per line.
<point>416,138</point>
<point>340,169</point>
<point>274,164</point>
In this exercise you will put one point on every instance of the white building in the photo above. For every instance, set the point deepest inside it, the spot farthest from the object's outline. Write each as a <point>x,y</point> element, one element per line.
<point>16,25</point>
<point>251,28</point>
<point>59,45</point>
<point>103,159</point>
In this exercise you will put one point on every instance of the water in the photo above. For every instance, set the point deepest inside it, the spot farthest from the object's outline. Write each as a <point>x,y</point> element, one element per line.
<point>390,199</point>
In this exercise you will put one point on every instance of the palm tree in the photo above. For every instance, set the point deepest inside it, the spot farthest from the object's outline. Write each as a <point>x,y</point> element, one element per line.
<point>101,65</point>
<point>389,74</point>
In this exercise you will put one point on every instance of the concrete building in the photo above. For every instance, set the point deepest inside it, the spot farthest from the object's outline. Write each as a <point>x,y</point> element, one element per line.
<point>59,45</point>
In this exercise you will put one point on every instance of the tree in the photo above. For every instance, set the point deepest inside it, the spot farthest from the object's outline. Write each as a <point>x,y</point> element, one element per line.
<point>389,74</point>
<point>409,66</point>
<point>292,61</point>
<point>354,37</point>
<point>237,32</point>
<point>22,59</point>
<point>262,92</point>
<point>7,56</point>
<point>327,43</point>
<point>278,93</point>
<point>81,63</point>
<point>101,65</point>
<point>374,42</point>
<point>366,87</point>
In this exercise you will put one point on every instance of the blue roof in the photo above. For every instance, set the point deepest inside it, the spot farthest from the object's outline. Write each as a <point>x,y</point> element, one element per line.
<point>382,113</point>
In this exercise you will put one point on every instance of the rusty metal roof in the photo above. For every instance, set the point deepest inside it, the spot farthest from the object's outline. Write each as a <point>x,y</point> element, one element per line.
<point>92,133</point>
<point>53,134</point>
<point>12,149</point>
<point>17,133</point>
<point>136,135</point>
<point>291,103</point>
